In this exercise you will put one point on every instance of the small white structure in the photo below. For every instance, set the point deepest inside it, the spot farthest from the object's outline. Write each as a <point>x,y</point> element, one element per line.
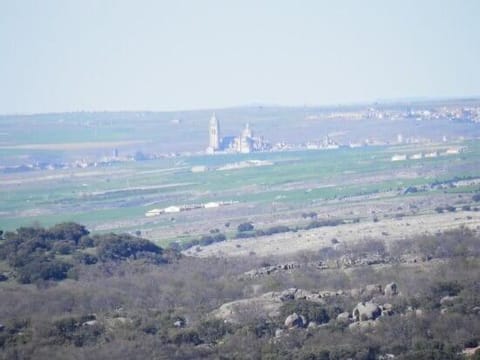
<point>398,157</point>
<point>198,169</point>
<point>416,156</point>
<point>452,151</point>
<point>172,209</point>
<point>154,212</point>
<point>211,205</point>
<point>432,154</point>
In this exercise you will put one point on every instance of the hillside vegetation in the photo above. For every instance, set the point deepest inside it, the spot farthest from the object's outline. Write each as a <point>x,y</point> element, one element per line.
<point>67,294</point>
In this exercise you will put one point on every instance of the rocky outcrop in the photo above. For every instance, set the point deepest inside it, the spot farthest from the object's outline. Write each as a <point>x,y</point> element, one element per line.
<point>366,311</point>
<point>269,304</point>
<point>235,311</point>
<point>270,269</point>
<point>295,321</point>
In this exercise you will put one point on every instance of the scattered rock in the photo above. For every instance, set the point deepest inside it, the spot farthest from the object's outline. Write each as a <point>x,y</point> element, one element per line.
<point>448,300</point>
<point>288,294</point>
<point>343,317</point>
<point>372,290</point>
<point>387,309</point>
<point>391,289</point>
<point>362,325</point>
<point>180,323</point>
<point>279,332</point>
<point>295,321</point>
<point>366,311</point>
<point>270,269</point>
<point>313,325</point>
<point>90,323</point>
<point>300,294</point>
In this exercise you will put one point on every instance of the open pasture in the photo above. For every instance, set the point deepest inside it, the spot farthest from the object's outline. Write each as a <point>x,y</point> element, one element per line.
<point>116,198</point>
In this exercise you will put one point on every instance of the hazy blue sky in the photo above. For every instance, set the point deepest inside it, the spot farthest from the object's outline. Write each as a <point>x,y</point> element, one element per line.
<point>69,55</point>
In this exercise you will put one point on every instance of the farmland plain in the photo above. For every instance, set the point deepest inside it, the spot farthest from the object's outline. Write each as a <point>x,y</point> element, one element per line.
<point>329,182</point>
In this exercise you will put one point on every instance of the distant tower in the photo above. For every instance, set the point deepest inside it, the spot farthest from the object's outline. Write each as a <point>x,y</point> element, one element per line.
<point>246,140</point>
<point>214,133</point>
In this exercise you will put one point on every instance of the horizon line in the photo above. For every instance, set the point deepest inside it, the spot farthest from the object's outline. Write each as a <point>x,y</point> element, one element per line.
<point>400,100</point>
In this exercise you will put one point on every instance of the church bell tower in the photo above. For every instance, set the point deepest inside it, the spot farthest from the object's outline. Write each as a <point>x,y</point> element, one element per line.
<point>214,132</point>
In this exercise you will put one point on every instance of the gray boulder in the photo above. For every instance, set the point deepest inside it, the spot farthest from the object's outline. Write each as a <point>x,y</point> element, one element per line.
<point>343,317</point>
<point>180,323</point>
<point>90,323</point>
<point>362,325</point>
<point>387,309</point>
<point>448,300</point>
<point>391,289</point>
<point>366,311</point>
<point>295,321</point>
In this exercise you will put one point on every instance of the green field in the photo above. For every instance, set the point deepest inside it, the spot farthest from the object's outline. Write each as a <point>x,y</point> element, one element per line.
<point>115,198</point>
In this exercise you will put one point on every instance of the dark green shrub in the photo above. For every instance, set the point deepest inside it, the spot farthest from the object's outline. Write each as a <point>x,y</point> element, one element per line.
<point>210,331</point>
<point>68,231</point>
<point>124,246</point>
<point>320,223</point>
<point>43,269</point>
<point>86,259</point>
<point>245,227</point>
<point>311,310</point>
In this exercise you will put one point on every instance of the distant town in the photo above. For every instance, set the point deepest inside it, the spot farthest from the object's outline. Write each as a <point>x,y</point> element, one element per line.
<point>247,141</point>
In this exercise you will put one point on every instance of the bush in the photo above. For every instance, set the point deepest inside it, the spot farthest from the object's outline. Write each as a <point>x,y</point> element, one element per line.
<point>210,331</point>
<point>476,197</point>
<point>121,247</point>
<point>86,259</point>
<point>446,288</point>
<point>43,269</point>
<point>311,215</point>
<point>210,239</point>
<point>245,227</point>
<point>68,231</point>
<point>86,242</point>
<point>73,330</point>
<point>311,310</point>
<point>277,230</point>
<point>186,336</point>
<point>64,247</point>
<point>244,235</point>
<point>320,223</point>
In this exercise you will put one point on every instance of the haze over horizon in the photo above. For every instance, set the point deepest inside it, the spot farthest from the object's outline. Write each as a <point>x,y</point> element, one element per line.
<point>62,56</point>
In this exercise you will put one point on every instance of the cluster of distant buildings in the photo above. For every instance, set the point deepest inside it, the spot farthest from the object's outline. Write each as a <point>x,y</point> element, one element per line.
<point>427,155</point>
<point>452,112</point>
<point>245,143</point>
<point>188,207</point>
